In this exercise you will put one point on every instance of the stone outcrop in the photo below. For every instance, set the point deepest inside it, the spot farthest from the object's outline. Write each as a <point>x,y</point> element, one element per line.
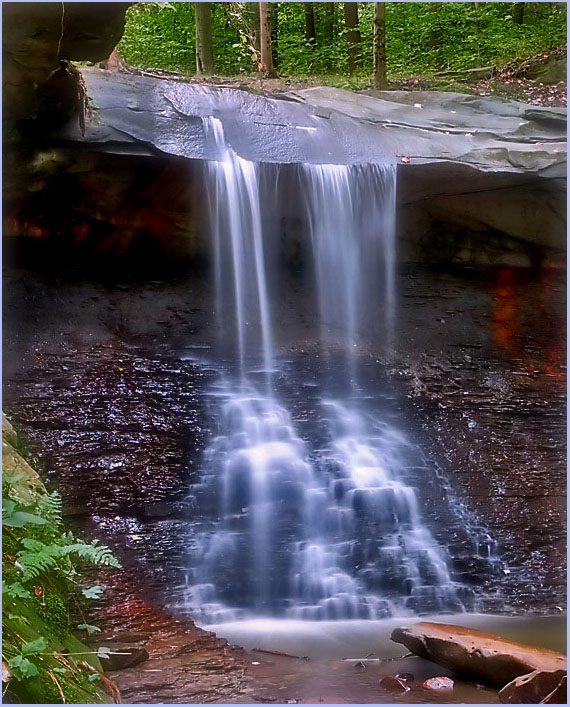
<point>467,651</point>
<point>480,181</point>
<point>37,35</point>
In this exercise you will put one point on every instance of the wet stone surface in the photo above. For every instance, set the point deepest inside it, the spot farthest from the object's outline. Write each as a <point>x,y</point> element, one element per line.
<point>108,383</point>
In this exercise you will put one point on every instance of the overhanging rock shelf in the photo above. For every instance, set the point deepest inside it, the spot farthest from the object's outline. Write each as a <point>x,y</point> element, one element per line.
<point>466,163</point>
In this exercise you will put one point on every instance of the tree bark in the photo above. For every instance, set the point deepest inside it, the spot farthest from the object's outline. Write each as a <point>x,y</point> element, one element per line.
<point>518,13</point>
<point>204,55</point>
<point>434,32</point>
<point>380,80</point>
<point>253,12</point>
<point>352,35</point>
<point>310,23</point>
<point>266,66</point>
<point>274,15</point>
<point>329,21</point>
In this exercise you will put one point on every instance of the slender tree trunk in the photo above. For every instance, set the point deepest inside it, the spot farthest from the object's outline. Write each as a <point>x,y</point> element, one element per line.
<point>204,55</point>
<point>518,13</point>
<point>329,21</point>
<point>310,22</point>
<point>380,80</point>
<point>434,32</point>
<point>274,14</point>
<point>253,12</point>
<point>352,35</point>
<point>266,66</point>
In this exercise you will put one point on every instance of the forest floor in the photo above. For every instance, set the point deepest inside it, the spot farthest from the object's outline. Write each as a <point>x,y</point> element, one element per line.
<point>532,80</point>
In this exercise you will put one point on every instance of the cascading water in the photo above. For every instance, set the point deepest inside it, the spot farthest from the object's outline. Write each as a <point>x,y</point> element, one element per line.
<point>288,530</point>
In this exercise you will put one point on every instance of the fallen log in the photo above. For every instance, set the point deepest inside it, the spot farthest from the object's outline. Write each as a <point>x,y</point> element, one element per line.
<point>469,652</point>
<point>286,655</point>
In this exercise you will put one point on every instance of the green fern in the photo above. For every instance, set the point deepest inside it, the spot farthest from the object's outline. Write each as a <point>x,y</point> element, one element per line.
<point>49,507</point>
<point>37,558</point>
<point>92,552</point>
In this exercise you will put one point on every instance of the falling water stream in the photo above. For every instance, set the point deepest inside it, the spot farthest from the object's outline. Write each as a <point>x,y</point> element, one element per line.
<point>290,531</point>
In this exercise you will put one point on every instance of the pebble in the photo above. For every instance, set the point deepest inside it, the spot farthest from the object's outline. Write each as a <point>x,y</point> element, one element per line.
<point>439,684</point>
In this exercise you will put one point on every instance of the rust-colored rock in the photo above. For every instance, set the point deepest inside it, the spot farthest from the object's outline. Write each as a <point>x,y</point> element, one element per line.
<point>531,689</point>
<point>558,696</point>
<point>477,653</point>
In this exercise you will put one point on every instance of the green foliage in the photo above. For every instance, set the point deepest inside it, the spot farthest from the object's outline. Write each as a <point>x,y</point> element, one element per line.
<point>42,567</point>
<point>89,628</point>
<point>15,516</point>
<point>21,668</point>
<point>92,592</point>
<point>458,36</point>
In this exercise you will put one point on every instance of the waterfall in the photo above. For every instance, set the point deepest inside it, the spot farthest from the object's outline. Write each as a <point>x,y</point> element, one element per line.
<point>289,530</point>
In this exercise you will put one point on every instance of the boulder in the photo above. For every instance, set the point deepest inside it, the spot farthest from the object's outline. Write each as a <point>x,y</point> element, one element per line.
<point>469,652</point>
<point>558,696</point>
<point>533,688</point>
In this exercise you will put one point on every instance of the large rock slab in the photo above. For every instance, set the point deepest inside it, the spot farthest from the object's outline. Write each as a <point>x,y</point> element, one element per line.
<point>470,652</point>
<point>326,124</point>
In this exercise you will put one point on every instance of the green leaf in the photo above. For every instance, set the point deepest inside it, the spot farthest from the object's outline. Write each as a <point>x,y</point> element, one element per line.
<point>22,668</point>
<point>20,518</point>
<point>103,651</point>
<point>15,590</point>
<point>89,628</point>
<point>92,592</point>
<point>60,671</point>
<point>94,677</point>
<point>8,508</point>
<point>34,647</point>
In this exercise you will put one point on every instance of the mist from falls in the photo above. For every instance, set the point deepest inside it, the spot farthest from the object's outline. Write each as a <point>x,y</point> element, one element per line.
<point>291,531</point>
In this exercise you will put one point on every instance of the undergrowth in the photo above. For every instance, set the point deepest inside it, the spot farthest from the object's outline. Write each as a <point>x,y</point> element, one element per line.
<point>43,657</point>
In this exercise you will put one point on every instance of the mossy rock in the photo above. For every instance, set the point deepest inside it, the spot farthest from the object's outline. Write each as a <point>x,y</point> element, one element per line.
<point>27,488</point>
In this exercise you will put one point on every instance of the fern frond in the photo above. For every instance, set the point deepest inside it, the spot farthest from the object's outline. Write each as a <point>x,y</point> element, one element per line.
<point>92,552</point>
<point>50,508</point>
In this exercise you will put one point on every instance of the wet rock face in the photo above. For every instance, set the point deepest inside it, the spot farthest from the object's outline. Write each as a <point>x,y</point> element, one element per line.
<point>479,372</point>
<point>471,652</point>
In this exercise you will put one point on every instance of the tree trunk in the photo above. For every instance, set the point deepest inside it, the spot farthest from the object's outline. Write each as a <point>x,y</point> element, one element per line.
<point>204,56</point>
<point>253,12</point>
<point>274,15</point>
<point>434,32</point>
<point>352,35</point>
<point>266,65</point>
<point>380,80</point>
<point>329,21</point>
<point>518,13</point>
<point>310,23</point>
